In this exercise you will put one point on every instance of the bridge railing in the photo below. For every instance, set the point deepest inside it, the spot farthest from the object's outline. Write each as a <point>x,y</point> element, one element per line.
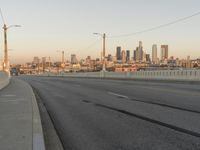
<point>158,75</point>
<point>190,75</point>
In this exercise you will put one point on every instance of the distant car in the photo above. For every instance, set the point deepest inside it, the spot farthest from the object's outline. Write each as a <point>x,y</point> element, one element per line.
<point>14,72</point>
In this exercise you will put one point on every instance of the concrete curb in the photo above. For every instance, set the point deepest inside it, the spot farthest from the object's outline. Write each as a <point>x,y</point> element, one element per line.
<point>38,137</point>
<point>4,83</point>
<point>4,80</point>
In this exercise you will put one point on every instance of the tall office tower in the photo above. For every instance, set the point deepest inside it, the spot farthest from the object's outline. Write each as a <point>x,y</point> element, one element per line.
<point>88,59</point>
<point>148,58</point>
<point>134,55</point>
<point>123,56</point>
<point>144,57</point>
<point>164,52</point>
<point>137,57</point>
<point>154,54</point>
<point>118,53</point>
<point>140,43</point>
<point>139,54</point>
<point>140,51</point>
<point>109,58</point>
<point>43,59</point>
<point>73,59</point>
<point>127,55</point>
<point>36,60</point>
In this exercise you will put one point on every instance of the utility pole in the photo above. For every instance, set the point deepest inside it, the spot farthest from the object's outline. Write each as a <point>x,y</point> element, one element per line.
<point>38,66</point>
<point>104,52</point>
<point>63,57</point>
<point>49,64</point>
<point>104,49</point>
<point>5,64</point>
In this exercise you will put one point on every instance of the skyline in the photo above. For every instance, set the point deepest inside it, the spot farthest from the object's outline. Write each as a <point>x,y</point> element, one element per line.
<point>69,26</point>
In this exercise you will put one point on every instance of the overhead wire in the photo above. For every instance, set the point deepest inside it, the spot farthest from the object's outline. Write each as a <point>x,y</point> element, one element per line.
<point>2,16</point>
<point>156,27</point>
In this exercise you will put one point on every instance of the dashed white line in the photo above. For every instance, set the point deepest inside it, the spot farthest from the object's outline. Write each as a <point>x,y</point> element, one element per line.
<point>14,100</point>
<point>118,95</point>
<point>9,95</point>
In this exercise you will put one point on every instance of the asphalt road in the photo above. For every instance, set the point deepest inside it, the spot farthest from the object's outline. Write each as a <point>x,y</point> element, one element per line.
<point>95,114</point>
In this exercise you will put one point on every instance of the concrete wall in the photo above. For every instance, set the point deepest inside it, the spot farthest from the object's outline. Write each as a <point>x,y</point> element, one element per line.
<point>178,75</point>
<point>4,79</point>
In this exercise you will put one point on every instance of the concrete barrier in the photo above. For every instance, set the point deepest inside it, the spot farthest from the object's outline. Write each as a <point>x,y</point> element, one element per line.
<point>174,75</point>
<point>4,79</point>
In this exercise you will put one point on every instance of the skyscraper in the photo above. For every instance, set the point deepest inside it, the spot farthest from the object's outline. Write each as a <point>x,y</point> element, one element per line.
<point>73,59</point>
<point>123,56</point>
<point>139,54</point>
<point>118,53</point>
<point>134,55</point>
<point>164,52</point>
<point>140,51</point>
<point>36,60</point>
<point>127,55</point>
<point>148,60</point>
<point>154,54</point>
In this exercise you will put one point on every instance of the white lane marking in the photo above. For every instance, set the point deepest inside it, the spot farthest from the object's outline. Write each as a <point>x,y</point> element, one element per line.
<point>9,95</point>
<point>15,100</point>
<point>118,95</point>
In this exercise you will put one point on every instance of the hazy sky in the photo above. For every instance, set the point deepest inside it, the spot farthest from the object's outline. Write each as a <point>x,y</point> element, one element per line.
<point>52,25</point>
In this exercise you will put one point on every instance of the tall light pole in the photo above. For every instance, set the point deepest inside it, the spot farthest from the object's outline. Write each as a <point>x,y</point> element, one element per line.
<point>104,49</point>
<point>62,59</point>
<point>6,64</point>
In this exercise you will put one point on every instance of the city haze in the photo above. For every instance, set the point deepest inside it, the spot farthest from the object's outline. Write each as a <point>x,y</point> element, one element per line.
<point>52,26</point>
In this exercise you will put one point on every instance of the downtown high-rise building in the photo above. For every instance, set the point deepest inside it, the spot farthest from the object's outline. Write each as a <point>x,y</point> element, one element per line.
<point>147,58</point>
<point>123,56</point>
<point>73,59</point>
<point>139,54</point>
<point>118,53</point>
<point>140,51</point>
<point>36,60</point>
<point>164,52</point>
<point>154,54</point>
<point>127,55</point>
<point>134,55</point>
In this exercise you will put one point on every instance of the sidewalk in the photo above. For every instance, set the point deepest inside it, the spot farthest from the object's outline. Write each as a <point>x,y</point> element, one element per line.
<point>20,124</point>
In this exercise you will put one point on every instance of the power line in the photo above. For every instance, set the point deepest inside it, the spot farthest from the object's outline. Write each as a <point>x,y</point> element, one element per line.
<point>157,27</point>
<point>2,16</point>
<point>92,44</point>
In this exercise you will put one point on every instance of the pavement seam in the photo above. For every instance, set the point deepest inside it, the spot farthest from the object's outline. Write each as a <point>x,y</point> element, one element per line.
<point>173,127</point>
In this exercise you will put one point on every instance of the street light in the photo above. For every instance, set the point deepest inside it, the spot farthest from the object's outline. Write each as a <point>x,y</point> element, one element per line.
<point>63,56</point>
<point>5,64</point>
<point>62,59</point>
<point>104,49</point>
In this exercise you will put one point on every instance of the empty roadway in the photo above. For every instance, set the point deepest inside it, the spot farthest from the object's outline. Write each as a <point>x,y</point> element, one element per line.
<point>95,114</point>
